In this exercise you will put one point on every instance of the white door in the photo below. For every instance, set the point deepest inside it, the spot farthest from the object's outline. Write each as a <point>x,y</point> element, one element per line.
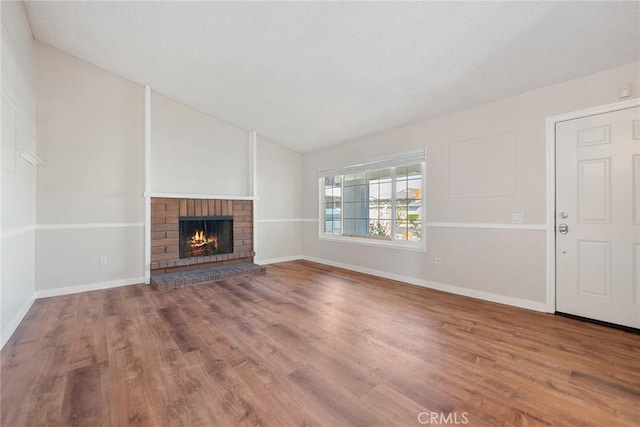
<point>598,217</point>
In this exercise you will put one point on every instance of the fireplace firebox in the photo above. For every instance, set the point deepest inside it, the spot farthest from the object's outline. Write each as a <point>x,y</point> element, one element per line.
<point>205,235</point>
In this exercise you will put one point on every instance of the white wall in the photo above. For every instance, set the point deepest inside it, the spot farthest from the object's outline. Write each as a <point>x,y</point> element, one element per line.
<point>194,153</point>
<point>90,190</point>
<point>18,176</point>
<point>279,208</point>
<point>500,264</point>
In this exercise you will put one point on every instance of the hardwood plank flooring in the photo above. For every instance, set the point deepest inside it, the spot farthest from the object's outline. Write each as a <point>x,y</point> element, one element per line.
<point>311,345</point>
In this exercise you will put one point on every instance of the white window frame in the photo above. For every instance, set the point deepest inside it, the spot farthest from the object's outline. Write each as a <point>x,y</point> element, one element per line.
<point>393,162</point>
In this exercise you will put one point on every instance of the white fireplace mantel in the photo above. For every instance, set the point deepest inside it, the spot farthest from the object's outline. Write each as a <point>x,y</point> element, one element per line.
<point>199,196</point>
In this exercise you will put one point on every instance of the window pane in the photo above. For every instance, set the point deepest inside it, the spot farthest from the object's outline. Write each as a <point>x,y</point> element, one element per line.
<point>331,220</point>
<point>356,202</point>
<point>328,226</point>
<point>354,179</point>
<point>401,210</point>
<point>355,227</point>
<point>374,175</point>
<point>356,193</point>
<point>365,201</point>
<point>386,224</point>
<point>414,208</point>
<point>385,209</point>
<point>379,174</point>
<point>362,226</point>
<point>401,172</point>
<point>385,189</point>
<point>349,210</point>
<point>349,225</point>
<point>374,191</point>
<point>349,193</point>
<point>401,189</point>
<point>374,212</point>
<point>409,202</point>
<point>380,229</point>
<point>361,192</point>
<point>414,189</point>
<point>362,211</point>
<point>415,230</point>
<point>401,229</point>
<point>414,171</point>
<point>332,198</point>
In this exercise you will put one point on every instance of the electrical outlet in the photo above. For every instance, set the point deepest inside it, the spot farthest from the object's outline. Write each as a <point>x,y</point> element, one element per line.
<point>517,218</point>
<point>102,261</point>
<point>438,262</point>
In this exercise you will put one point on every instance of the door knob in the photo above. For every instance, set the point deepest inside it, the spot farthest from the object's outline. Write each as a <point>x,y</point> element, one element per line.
<point>563,229</point>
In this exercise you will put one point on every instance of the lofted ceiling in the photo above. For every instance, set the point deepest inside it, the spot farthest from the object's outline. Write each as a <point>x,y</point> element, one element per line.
<point>312,74</point>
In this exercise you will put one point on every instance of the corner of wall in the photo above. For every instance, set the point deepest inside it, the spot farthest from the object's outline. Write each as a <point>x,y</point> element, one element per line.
<point>17,181</point>
<point>10,328</point>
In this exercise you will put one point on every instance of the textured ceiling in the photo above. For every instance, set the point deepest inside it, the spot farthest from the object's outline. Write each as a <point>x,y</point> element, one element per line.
<point>312,74</point>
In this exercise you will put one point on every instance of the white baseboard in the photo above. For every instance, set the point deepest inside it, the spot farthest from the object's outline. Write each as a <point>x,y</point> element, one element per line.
<point>277,260</point>
<point>45,293</point>
<point>487,296</point>
<point>8,330</point>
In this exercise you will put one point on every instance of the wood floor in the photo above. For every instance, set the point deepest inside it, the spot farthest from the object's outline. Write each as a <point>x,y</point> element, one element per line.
<point>311,345</point>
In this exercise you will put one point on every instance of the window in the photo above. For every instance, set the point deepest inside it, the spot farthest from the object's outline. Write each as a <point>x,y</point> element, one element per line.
<point>379,201</point>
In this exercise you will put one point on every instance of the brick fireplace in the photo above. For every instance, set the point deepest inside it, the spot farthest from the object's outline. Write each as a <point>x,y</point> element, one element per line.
<point>217,241</point>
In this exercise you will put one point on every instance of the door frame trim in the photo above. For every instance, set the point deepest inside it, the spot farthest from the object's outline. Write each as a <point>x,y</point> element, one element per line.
<point>551,184</point>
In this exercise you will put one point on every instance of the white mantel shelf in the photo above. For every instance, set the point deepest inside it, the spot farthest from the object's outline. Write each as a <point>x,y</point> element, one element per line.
<point>199,196</point>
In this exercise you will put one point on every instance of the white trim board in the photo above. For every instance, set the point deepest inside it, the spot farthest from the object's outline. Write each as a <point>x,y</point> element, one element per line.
<point>18,231</point>
<point>486,296</point>
<point>551,184</point>
<point>67,290</point>
<point>405,245</point>
<point>9,100</point>
<point>281,259</point>
<point>253,181</point>
<point>492,226</point>
<point>9,330</point>
<point>199,196</point>
<point>480,225</point>
<point>31,158</point>
<point>288,220</point>
<point>89,225</point>
<point>147,184</point>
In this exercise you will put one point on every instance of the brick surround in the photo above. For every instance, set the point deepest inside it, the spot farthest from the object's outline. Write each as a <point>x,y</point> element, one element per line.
<point>164,233</point>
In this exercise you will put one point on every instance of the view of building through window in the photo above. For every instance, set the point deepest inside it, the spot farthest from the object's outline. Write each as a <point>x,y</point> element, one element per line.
<point>382,203</point>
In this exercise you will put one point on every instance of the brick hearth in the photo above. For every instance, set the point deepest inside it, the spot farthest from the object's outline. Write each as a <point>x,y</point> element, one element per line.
<point>165,259</point>
<point>204,275</point>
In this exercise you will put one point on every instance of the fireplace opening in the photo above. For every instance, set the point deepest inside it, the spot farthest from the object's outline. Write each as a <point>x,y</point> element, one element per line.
<point>205,235</point>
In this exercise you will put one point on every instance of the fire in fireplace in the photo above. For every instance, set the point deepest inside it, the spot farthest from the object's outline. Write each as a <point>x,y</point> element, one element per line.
<point>205,235</point>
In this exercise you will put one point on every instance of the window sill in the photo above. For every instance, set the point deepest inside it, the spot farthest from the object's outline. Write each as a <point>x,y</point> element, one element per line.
<point>404,245</point>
